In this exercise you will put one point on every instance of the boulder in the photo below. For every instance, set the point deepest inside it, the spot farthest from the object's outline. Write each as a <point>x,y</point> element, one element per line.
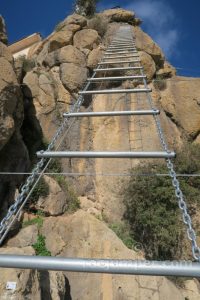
<point>82,235</point>
<point>120,15</point>
<point>31,284</point>
<point>86,38</point>
<point>94,57</point>
<point>39,86</point>
<point>60,39</point>
<point>11,103</point>
<point>26,237</point>
<point>3,35</point>
<point>145,43</point>
<point>5,53</point>
<point>180,100</point>
<point>148,64</point>
<point>167,71</point>
<point>72,76</point>
<point>67,54</point>
<point>27,281</point>
<point>76,19</point>
<point>56,202</point>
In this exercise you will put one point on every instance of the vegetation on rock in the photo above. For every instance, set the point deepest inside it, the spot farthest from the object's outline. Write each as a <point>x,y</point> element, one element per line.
<point>152,210</point>
<point>85,7</point>
<point>40,246</point>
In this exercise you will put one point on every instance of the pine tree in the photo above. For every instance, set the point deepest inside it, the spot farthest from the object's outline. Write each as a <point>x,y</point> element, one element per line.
<point>85,7</point>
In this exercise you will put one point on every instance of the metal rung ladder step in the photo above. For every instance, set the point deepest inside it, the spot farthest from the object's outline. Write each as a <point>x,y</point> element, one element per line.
<point>101,154</point>
<point>121,56</point>
<point>119,91</point>
<point>117,78</point>
<point>118,69</point>
<point>128,51</point>
<point>112,113</point>
<point>119,62</point>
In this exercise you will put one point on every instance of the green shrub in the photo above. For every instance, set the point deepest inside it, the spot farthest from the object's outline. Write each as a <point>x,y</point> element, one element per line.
<point>27,64</point>
<point>123,232</point>
<point>41,190</point>
<point>40,246</point>
<point>160,83</point>
<point>99,23</point>
<point>38,221</point>
<point>152,210</point>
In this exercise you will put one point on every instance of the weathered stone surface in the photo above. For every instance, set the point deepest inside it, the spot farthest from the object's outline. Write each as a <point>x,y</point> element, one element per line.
<point>32,284</point>
<point>180,101</point>
<point>26,237</point>
<point>73,76</point>
<point>60,39</point>
<point>82,235</point>
<point>120,15</point>
<point>4,52</point>
<point>27,281</point>
<point>167,71</point>
<point>40,88</point>
<point>76,19</point>
<point>11,106</point>
<point>3,35</point>
<point>145,43</point>
<point>67,54</point>
<point>86,38</point>
<point>94,57</point>
<point>148,64</point>
<point>56,202</point>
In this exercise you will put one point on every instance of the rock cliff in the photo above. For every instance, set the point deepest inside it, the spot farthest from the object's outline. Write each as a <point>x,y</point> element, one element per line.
<point>63,61</point>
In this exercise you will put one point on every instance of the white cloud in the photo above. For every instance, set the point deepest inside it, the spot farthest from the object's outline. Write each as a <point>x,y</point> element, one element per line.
<point>158,19</point>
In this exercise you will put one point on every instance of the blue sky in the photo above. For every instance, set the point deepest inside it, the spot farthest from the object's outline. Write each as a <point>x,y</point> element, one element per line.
<point>173,24</point>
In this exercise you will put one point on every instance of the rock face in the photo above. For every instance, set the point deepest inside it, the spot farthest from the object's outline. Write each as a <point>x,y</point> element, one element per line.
<point>64,60</point>
<point>13,153</point>
<point>31,284</point>
<point>86,38</point>
<point>82,235</point>
<point>56,202</point>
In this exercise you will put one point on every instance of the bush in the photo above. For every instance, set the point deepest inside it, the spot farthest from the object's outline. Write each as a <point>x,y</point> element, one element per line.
<point>37,221</point>
<point>152,210</point>
<point>27,64</point>
<point>41,190</point>
<point>160,83</point>
<point>40,246</point>
<point>99,23</point>
<point>123,232</point>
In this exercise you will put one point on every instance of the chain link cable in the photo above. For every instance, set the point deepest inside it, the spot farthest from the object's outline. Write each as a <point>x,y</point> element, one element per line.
<point>178,193</point>
<point>37,173</point>
<point>35,176</point>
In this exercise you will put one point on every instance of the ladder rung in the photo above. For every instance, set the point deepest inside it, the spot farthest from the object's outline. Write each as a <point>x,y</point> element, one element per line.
<point>96,265</point>
<point>112,113</point>
<point>117,78</point>
<point>121,48</point>
<point>119,91</point>
<point>128,51</point>
<point>118,69</point>
<point>121,56</point>
<point>91,154</point>
<point>119,62</point>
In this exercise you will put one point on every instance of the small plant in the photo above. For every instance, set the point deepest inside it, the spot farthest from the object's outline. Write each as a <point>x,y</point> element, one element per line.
<point>160,83</point>
<point>99,23</point>
<point>27,64</point>
<point>41,190</point>
<point>123,232</point>
<point>85,7</point>
<point>37,221</point>
<point>40,246</point>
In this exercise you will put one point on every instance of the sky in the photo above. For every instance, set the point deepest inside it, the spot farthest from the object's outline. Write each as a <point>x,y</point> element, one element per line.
<point>173,24</point>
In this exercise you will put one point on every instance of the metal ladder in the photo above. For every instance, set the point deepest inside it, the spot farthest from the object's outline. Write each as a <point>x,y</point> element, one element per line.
<point>123,46</point>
